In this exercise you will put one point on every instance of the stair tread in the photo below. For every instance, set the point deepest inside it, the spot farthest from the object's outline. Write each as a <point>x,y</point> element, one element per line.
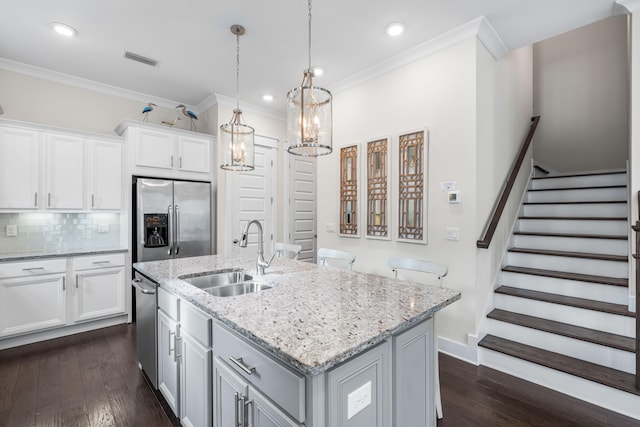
<point>587,236</point>
<point>570,365</point>
<point>614,281</point>
<point>605,257</point>
<point>578,218</point>
<point>580,175</point>
<point>603,202</point>
<point>566,330</point>
<point>588,187</point>
<point>589,304</point>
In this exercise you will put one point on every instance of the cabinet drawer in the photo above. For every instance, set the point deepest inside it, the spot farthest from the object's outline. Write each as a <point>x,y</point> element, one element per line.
<point>284,386</point>
<point>32,268</point>
<point>169,303</point>
<point>98,261</point>
<point>196,323</point>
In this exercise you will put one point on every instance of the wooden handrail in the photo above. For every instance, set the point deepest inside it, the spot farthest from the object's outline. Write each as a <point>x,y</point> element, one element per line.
<point>490,229</point>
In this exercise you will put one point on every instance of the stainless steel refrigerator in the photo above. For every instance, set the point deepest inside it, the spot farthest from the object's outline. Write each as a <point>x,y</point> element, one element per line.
<point>172,219</point>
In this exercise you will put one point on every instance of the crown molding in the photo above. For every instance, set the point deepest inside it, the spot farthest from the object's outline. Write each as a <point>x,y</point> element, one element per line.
<point>67,79</point>
<point>479,28</point>
<point>626,7</point>
<point>244,106</point>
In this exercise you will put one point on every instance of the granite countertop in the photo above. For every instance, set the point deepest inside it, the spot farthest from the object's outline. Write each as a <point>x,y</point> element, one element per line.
<point>62,253</point>
<point>314,317</point>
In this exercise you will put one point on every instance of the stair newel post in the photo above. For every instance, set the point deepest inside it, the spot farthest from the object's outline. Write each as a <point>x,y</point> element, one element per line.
<point>636,256</point>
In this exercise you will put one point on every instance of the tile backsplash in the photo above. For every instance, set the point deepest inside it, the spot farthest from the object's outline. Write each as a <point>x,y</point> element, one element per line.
<point>55,232</point>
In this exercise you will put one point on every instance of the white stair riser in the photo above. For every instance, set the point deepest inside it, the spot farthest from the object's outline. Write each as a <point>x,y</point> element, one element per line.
<point>580,181</point>
<point>584,226</point>
<point>583,195</point>
<point>607,210</point>
<point>595,267</point>
<point>606,397</point>
<point>620,325</point>
<point>572,244</point>
<point>583,350</point>
<point>570,288</point>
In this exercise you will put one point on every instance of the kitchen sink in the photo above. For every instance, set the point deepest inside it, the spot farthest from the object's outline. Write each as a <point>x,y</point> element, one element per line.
<point>217,278</point>
<point>237,289</point>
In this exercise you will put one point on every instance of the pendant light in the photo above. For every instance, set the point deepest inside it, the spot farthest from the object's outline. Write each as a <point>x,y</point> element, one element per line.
<point>237,138</point>
<point>309,115</point>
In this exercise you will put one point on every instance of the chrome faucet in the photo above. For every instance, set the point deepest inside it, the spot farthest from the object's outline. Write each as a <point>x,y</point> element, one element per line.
<point>261,263</point>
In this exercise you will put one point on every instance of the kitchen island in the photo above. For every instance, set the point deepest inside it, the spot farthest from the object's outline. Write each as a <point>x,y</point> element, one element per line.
<point>339,334</point>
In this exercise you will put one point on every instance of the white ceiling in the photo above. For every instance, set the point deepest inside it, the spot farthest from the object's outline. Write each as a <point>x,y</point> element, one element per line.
<point>196,50</point>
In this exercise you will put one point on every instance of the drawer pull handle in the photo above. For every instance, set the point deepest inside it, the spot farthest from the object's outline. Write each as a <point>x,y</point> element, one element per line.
<point>32,269</point>
<point>240,364</point>
<point>101,262</point>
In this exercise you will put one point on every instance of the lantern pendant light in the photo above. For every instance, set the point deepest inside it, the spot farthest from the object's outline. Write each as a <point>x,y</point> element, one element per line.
<point>309,115</point>
<point>237,138</point>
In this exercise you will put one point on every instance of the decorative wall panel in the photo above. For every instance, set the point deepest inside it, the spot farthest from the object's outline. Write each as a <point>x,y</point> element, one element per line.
<point>377,188</point>
<point>411,197</point>
<point>349,190</point>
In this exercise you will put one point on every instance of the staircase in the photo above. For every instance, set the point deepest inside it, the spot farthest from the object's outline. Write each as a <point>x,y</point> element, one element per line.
<point>561,317</point>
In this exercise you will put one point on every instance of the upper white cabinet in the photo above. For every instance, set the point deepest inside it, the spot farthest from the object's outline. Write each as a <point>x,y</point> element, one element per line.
<point>44,169</point>
<point>104,173</point>
<point>167,152</point>
<point>19,168</point>
<point>65,172</point>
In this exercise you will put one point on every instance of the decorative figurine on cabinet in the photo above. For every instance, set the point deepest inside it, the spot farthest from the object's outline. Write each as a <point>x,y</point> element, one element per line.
<point>146,110</point>
<point>192,116</point>
<point>171,123</point>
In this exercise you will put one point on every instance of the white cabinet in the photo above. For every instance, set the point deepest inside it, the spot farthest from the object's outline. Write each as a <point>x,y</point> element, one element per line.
<point>195,377</point>
<point>19,168</point>
<point>104,175</point>
<point>65,172</point>
<point>193,154</point>
<point>168,354</point>
<point>32,296</point>
<point>99,286</point>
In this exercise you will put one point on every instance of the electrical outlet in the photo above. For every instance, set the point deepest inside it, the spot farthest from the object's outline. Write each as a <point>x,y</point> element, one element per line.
<point>358,399</point>
<point>103,228</point>
<point>12,230</point>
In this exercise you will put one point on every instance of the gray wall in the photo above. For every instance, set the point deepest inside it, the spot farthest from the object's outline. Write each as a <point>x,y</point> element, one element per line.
<point>581,90</point>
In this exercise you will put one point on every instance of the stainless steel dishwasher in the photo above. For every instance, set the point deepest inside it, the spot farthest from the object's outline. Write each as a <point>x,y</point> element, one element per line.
<point>146,326</point>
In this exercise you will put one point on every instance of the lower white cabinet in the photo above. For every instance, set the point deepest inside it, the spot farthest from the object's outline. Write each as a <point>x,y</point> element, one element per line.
<point>195,377</point>
<point>168,354</point>
<point>99,287</point>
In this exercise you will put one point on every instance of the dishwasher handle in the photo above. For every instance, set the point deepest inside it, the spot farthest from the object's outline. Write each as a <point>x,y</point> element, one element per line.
<point>143,287</point>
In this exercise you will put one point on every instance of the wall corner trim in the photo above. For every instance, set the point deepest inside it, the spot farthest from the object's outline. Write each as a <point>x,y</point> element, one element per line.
<point>626,7</point>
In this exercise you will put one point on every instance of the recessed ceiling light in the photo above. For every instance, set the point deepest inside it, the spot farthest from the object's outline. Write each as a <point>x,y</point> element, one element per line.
<point>64,29</point>
<point>267,97</point>
<point>395,29</point>
<point>317,71</point>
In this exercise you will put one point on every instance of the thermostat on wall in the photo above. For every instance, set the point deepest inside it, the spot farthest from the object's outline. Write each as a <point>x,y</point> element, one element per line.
<point>454,196</point>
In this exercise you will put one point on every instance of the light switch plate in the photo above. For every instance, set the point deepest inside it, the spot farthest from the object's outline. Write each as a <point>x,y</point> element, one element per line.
<point>12,230</point>
<point>447,185</point>
<point>452,233</point>
<point>103,228</point>
<point>358,399</point>
<point>330,227</point>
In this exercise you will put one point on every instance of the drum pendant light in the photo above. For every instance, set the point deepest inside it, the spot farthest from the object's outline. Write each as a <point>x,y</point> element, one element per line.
<point>237,138</point>
<point>309,121</point>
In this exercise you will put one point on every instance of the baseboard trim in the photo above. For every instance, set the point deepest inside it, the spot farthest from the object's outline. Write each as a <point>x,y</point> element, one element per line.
<point>467,353</point>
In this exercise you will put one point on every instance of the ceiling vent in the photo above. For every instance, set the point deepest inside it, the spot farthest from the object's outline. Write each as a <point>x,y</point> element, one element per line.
<point>139,58</point>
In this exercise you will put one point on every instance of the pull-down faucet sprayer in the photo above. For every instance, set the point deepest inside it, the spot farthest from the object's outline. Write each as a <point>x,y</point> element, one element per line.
<point>261,263</point>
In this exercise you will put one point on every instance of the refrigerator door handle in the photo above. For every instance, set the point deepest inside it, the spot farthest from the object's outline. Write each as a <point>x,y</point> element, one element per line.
<point>170,233</point>
<point>177,208</point>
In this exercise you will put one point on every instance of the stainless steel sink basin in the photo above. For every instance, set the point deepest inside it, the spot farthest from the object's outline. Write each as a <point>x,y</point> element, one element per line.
<point>237,289</point>
<point>217,278</point>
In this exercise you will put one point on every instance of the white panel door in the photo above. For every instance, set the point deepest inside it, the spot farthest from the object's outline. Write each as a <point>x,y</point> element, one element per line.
<point>65,172</point>
<point>104,168</point>
<point>19,168</point>
<point>193,154</point>
<point>251,196</point>
<point>99,293</point>
<point>302,205</point>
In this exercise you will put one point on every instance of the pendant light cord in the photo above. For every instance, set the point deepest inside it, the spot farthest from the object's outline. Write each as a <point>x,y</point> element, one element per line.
<point>309,35</point>
<point>237,72</point>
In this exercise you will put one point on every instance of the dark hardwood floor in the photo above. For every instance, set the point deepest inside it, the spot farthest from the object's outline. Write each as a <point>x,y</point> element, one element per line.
<point>92,379</point>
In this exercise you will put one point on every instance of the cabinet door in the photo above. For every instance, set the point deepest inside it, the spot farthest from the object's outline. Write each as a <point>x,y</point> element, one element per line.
<point>32,303</point>
<point>19,168</point>
<point>65,172</point>
<point>195,378</point>
<point>99,293</point>
<point>168,354</point>
<point>104,167</point>
<point>266,414</point>
<point>193,154</point>
<point>154,149</point>
<point>228,388</point>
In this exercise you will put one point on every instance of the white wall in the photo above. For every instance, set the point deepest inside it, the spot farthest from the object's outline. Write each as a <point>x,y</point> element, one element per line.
<point>441,93</point>
<point>581,93</point>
